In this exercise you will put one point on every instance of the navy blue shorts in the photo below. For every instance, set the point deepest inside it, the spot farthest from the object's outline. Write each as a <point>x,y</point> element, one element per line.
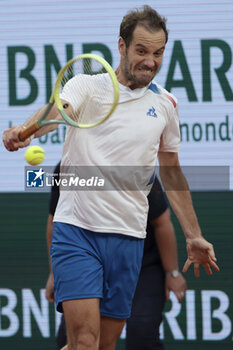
<point>90,264</point>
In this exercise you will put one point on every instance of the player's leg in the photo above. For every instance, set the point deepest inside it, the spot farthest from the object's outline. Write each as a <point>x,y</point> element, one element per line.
<point>142,331</point>
<point>82,323</point>
<point>122,264</point>
<point>78,284</point>
<point>61,338</point>
<point>110,331</point>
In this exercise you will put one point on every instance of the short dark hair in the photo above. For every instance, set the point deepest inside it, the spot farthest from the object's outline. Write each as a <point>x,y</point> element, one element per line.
<point>149,18</point>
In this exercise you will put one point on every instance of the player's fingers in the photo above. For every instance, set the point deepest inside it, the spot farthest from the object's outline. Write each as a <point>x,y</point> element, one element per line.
<point>208,269</point>
<point>11,138</point>
<point>211,252</point>
<point>50,299</point>
<point>197,270</point>
<point>214,265</point>
<point>6,141</point>
<point>186,265</point>
<point>49,296</point>
<point>180,295</point>
<point>25,143</point>
<point>15,145</point>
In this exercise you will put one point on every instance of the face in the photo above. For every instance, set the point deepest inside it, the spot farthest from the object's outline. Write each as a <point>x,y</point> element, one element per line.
<point>142,59</point>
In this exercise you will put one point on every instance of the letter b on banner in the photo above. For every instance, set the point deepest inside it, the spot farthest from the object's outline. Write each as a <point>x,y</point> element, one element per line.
<point>218,314</point>
<point>23,87</point>
<point>7,311</point>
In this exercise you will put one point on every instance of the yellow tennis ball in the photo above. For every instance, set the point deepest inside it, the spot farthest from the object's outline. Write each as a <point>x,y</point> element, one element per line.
<point>34,155</point>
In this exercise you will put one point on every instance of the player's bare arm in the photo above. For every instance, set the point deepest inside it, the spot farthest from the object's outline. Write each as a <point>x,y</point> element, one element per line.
<point>199,250</point>
<point>11,137</point>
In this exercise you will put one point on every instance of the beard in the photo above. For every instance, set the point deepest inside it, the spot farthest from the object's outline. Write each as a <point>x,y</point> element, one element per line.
<point>138,81</point>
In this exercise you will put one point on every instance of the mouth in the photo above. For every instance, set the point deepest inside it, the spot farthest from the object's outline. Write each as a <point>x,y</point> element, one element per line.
<point>147,70</point>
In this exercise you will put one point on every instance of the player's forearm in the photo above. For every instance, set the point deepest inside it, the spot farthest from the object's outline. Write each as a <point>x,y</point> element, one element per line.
<point>34,117</point>
<point>54,114</point>
<point>182,206</point>
<point>179,196</point>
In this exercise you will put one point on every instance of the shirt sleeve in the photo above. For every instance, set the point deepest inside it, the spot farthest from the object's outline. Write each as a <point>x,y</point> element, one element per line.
<point>54,196</point>
<point>157,201</point>
<point>170,139</point>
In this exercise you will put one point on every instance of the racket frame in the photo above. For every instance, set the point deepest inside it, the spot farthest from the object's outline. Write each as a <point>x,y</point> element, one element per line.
<point>55,99</point>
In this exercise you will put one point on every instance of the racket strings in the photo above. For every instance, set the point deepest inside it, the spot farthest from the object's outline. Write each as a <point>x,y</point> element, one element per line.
<point>88,88</point>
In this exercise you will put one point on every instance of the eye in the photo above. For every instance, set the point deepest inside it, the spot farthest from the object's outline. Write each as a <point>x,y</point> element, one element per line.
<point>141,51</point>
<point>158,53</point>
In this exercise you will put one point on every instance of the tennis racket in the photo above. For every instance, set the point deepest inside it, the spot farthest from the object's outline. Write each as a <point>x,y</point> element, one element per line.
<point>90,83</point>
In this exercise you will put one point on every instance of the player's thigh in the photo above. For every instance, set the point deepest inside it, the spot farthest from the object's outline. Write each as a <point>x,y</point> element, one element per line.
<point>82,317</point>
<point>77,267</point>
<point>110,331</point>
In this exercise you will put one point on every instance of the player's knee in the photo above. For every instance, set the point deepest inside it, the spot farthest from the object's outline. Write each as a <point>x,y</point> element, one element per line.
<point>84,339</point>
<point>87,341</point>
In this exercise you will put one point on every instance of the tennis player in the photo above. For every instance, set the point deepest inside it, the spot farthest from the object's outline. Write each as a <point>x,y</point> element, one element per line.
<point>98,236</point>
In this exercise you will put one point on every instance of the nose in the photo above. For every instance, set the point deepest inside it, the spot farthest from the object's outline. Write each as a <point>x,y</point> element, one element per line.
<point>150,62</point>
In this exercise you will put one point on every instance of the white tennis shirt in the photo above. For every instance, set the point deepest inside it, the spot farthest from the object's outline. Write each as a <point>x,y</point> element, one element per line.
<point>144,122</point>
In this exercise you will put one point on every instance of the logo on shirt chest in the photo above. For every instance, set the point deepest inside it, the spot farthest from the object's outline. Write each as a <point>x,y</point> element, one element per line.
<point>152,113</point>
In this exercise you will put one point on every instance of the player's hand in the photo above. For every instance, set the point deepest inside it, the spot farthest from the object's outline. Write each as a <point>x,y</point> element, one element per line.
<point>49,292</point>
<point>11,139</point>
<point>177,285</point>
<point>200,252</point>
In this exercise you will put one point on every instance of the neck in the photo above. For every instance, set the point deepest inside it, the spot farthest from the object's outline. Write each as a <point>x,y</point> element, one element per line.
<point>122,80</point>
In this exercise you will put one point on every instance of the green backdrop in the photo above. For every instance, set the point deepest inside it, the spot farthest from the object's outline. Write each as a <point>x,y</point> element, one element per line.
<point>27,321</point>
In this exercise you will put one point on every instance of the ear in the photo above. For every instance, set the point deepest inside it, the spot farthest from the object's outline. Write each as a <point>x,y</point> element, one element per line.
<point>121,46</point>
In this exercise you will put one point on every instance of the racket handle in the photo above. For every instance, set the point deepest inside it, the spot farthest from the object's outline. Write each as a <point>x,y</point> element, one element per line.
<point>29,131</point>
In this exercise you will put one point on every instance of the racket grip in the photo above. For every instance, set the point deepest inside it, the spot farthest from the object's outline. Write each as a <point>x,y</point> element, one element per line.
<point>29,131</point>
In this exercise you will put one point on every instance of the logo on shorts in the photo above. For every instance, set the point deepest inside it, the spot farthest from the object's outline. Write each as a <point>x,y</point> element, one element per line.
<point>35,178</point>
<point>151,112</point>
